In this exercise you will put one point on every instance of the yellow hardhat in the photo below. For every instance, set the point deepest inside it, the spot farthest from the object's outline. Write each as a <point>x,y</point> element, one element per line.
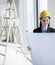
<point>44,13</point>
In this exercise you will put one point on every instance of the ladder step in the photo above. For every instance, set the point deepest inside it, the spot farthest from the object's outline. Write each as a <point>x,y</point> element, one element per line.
<point>6,17</point>
<point>9,1</point>
<point>15,34</point>
<point>15,26</point>
<point>5,26</point>
<point>9,9</point>
<point>2,45</point>
<point>2,54</point>
<point>19,43</point>
<point>19,47</point>
<point>3,35</point>
<point>13,18</point>
<point>20,51</point>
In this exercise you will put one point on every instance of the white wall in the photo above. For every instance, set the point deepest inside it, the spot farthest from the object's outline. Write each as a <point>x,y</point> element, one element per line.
<point>26,14</point>
<point>51,8</point>
<point>42,5</point>
<point>30,15</point>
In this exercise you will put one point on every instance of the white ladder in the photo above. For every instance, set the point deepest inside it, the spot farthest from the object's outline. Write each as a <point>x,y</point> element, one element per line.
<point>4,44</point>
<point>12,19</point>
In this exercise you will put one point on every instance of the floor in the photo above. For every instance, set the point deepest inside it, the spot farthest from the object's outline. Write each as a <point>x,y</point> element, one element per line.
<point>13,58</point>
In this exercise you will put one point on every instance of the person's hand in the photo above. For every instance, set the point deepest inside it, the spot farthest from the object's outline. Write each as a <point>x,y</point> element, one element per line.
<point>29,48</point>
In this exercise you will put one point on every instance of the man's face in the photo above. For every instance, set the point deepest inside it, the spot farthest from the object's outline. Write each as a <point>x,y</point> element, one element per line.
<point>45,21</point>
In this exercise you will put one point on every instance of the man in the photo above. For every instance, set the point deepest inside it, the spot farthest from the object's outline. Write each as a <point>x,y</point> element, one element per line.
<point>44,23</point>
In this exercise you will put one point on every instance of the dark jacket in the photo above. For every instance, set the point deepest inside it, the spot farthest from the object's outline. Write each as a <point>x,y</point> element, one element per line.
<point>49,30</point>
